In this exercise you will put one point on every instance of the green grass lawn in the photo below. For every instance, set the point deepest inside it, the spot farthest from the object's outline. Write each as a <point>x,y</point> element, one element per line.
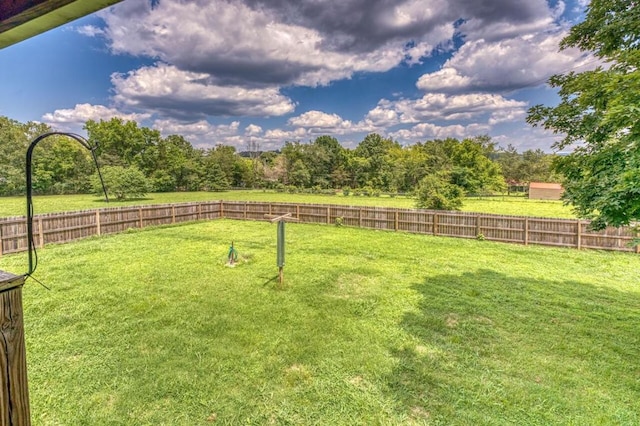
<point>150,327</point>
<point>509,205</point>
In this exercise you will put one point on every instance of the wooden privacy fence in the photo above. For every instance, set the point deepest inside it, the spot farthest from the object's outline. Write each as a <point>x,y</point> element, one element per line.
<point>69,226</point>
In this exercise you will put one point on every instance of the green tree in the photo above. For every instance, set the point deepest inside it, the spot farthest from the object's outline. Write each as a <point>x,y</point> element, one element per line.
<point>15,138</point>
<point>536,166</point>
<point>375,167</point>
<point>599,114</point>
<point>178,165</point>
<point>122,182</point>
<point>124,144</point>
<point>215,179</point>
<point>436,193</point>
<point>472,169</point>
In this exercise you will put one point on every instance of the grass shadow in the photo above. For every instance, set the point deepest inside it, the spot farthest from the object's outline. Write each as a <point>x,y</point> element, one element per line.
<point>491,348</point>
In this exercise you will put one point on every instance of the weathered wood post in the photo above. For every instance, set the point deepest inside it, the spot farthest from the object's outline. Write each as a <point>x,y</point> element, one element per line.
<point>14,395</point>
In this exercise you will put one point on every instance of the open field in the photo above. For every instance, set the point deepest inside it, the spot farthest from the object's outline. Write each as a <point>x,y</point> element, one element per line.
<point>509,205</point>
<point>151,327</point>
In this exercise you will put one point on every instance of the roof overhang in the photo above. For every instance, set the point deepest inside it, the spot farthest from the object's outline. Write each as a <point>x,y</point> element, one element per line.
<point>22,19</point>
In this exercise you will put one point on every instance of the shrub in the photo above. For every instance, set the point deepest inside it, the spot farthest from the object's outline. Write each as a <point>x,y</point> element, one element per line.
<point>122,182</point>
<point>434,192</point>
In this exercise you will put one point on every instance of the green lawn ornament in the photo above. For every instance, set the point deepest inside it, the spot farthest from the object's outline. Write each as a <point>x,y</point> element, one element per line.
<point>232,257</point>
<point>281,220</point>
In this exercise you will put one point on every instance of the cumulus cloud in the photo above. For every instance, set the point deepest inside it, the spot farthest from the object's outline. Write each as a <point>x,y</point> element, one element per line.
<point>277,42</point>
<point>177,93</point>
<point>428,131</point>
<point>440,106</point>
<point>90,31</point>
<point>81,113</point>
<point>201,133</point>
<point>252,130</point>
<point>508,64</point>
<point>238,58</point>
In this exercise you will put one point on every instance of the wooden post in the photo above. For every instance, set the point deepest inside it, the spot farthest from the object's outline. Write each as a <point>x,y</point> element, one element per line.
<point>270,209</point>
<point>245,210</point>
<point>579,232</point>
<point>40,232</point>
<point>199,210</point>
<point>526,231</point>
<point>328,215</point>
<point>173,214</point>
<point>298,211</point>
<point>435,224</point>
<point>360,218</point>
<point>140,216</point>
<point>221,209</point>
<point>98,230</point>
<point>14,395</point>
<point>396,221</point>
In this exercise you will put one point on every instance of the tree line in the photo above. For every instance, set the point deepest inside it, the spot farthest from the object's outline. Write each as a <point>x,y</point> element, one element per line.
<point>135,160</point>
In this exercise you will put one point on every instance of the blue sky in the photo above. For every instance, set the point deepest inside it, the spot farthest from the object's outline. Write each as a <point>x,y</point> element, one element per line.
<point>269,71</point>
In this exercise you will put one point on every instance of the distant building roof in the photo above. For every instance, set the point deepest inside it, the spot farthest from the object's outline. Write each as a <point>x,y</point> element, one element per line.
<point>545,185</point>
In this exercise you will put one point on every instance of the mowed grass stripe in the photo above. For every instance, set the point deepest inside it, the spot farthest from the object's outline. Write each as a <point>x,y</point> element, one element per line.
<point>151,327</point>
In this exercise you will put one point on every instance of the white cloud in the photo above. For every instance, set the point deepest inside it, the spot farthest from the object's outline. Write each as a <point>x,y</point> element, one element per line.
<point>428,131</point>
<point>252,130</point>
<point>202,133</point>
<point>90,30</point>
<point>77,116</point>
<point>506,64</point>
<point>167,89</point>
<point>232,58</point>
<point>440,106</point>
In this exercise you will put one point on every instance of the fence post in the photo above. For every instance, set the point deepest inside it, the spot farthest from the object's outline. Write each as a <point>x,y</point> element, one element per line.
<point>360,217</point>
<point>396,220</point>
<point>328,215</point>
<point>477,225</point>
<point>435,223</point>
<point>245,209</point>
<point>173,213</point>
<point>526,231</point>
<point>98,230</point>
<point>579,232</point>
<point>14,401</point>
<point>221,209</point>
<point>40,232</point>
<point>199,210</point>
<point>270,209</point>
<point>298,211</point>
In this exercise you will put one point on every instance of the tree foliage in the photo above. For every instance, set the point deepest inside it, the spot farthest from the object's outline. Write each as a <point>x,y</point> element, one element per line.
<point>599,114</point>
<point>435,192</point>
<point>122,182</point>
<point>376,165</point>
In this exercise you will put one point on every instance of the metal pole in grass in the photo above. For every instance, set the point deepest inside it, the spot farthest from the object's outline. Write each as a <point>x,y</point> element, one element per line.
<point>280,219</point>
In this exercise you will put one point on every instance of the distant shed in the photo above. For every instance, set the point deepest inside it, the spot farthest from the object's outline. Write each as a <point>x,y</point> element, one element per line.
<point>545,191</point>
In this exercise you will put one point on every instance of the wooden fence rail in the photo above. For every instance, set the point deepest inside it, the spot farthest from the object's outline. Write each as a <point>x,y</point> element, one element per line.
<point>70,226</point>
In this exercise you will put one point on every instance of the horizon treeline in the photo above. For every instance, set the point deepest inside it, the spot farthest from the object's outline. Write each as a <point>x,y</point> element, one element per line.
<point>377,165</point>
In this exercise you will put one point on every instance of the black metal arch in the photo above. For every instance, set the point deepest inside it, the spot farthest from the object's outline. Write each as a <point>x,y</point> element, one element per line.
<point>85,143</point>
